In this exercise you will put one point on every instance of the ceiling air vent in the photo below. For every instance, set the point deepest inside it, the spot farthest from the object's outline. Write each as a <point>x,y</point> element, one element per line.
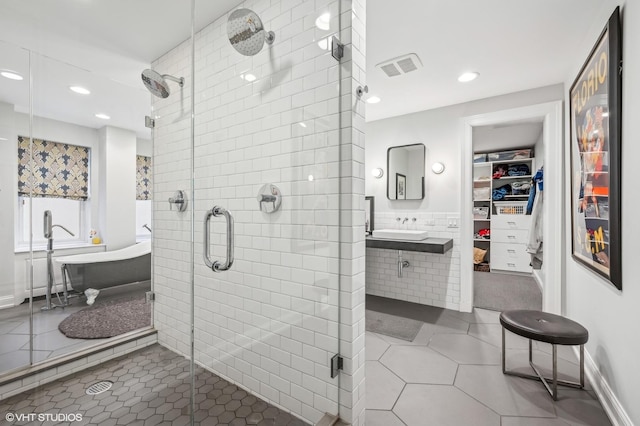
<point>400,65</point>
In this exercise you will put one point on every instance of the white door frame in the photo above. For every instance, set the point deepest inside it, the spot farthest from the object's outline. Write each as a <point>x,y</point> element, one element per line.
<point>550,114</point>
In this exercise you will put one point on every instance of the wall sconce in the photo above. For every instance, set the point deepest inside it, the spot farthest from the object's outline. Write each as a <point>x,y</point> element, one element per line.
<point>377,173</point>
<point>437,168</point>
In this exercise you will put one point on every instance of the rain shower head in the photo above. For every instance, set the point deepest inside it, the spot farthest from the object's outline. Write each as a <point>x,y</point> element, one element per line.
<point>157,83</point>
<point>246,32</point>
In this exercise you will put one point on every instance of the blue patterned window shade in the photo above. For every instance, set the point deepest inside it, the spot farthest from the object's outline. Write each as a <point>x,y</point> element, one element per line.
<point>143,178</point>
<point>60,170</point>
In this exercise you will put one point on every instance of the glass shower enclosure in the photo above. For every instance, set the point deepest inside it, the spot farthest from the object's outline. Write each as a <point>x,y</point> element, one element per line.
<point>254,198</point>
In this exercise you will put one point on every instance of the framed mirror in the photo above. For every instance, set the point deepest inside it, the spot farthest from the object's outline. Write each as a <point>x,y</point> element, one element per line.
<point>405,172</point>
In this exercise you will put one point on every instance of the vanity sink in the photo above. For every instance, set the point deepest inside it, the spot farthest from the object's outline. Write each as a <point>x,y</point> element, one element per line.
<point>400,234</point>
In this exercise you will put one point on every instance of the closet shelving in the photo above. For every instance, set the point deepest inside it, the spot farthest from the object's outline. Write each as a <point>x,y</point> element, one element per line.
<point>507,242</point>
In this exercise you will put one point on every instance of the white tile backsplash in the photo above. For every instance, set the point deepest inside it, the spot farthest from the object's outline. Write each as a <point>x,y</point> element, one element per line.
<point>432,279</point>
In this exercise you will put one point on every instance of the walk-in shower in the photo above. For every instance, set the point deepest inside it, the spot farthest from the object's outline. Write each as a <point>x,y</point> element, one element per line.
<point>246,32</point>
<point>157,83</point>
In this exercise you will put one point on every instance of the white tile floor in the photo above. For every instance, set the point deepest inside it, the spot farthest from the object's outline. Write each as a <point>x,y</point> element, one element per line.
<point>451,374</point>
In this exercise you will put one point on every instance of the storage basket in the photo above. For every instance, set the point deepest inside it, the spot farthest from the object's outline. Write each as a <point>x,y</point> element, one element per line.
<point>510,207</point>
<point>480,212</point>
<point>481,267</point>
<point>483,193</point>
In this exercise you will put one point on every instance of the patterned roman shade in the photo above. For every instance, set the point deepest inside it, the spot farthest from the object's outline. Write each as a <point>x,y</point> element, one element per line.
<point>143,177</point>
<point>60,170</point>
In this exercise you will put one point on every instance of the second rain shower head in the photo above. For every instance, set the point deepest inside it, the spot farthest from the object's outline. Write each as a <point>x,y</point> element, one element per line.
<point>246,32</point>
<point>156,83</point>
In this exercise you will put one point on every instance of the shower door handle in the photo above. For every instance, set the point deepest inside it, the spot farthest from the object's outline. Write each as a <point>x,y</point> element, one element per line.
<point>217,266</point>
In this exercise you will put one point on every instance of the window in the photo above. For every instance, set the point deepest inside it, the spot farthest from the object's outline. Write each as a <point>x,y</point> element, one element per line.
<point>60,183</point>
<point>143,196</point>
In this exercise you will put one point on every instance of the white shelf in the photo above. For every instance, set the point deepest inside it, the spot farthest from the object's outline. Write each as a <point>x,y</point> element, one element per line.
<point>483,240</point>
<point>482,199</point>
<point>513,161</point>
<point>482,220</point>
<point>514,177</point>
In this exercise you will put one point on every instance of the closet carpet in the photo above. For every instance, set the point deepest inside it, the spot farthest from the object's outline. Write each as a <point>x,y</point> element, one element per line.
<point>503,292</point>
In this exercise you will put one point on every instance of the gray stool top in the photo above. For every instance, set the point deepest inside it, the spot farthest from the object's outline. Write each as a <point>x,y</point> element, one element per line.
<point>544,327</point>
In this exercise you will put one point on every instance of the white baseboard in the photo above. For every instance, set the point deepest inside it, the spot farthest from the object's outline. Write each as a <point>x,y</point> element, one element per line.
<point>6,302</point>
<point>608,399</point>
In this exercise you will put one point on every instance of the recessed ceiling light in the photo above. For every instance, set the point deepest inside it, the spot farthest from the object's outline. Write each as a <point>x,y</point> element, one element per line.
<point>12,75</point>
<point>468,76</point>
<point>373,100</point>
<point>248,77</point>
<point>80,90</point>
<point>103,116</point>
<point>324,21</point>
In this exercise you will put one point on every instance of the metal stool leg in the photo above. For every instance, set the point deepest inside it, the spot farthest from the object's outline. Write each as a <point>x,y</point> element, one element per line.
<point>503,354</point>
<point>582,366</point>
<point>555,372</point>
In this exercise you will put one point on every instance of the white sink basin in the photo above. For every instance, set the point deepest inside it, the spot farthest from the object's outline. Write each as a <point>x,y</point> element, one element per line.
<point>400,234</point>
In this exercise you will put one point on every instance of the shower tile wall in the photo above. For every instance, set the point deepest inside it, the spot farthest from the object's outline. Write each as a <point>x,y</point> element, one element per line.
<point>432,279</point>
<point>270,324</point>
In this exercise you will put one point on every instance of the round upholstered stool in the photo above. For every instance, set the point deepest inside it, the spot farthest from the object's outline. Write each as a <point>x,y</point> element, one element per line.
<point>548,328</point>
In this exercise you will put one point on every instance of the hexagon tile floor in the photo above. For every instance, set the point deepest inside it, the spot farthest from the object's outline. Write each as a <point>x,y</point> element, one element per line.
<point>451,375</point>
<point>151,387</point>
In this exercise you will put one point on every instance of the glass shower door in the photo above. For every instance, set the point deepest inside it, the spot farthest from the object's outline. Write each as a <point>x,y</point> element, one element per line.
<point>266,208</point>
<point>15,217</point>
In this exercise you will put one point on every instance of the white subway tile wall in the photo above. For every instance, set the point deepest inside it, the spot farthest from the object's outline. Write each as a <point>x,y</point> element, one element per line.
<point>271,323</point>
<point>432,279</point>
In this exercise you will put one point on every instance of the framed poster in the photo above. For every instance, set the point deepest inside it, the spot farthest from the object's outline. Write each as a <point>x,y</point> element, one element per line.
<point>401,187</point>
<point>595,112</point>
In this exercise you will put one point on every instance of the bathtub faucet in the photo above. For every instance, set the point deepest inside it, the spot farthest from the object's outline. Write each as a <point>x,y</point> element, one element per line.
<point>147,227</point>
<point>48,234</point>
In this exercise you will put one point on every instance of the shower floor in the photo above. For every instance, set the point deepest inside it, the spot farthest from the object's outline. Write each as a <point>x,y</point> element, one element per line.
<point>150,387</point>
<point>48,341</point>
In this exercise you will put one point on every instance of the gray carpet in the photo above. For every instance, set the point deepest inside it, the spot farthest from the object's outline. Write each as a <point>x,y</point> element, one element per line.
<point>503,292</point>
<point>391,325</point>
<point>108,319</point>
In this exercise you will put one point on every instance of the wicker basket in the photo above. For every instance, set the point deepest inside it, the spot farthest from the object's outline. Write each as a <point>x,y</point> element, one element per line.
<point>482,267</point>
<point>510,207</point>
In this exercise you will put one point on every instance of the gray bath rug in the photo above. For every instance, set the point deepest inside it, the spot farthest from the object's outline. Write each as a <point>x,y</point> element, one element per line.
<point>391,325</point>
<point>108,319</point>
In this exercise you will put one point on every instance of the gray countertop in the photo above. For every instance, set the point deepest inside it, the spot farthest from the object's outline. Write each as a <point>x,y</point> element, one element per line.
<point>428,245</point>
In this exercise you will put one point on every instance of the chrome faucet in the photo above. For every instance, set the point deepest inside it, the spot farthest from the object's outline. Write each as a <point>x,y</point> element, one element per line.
<point>146,227</point>
<point>405,220</point>
<point>48,234</point>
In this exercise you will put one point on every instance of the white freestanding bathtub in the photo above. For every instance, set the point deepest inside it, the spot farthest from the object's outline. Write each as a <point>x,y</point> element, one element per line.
<point>107,269</point>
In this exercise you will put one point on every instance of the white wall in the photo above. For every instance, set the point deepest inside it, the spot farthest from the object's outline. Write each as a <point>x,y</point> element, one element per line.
<point>270,323</point>
<point>13,278</point>
<point>117,187</point>
<point>439,130</point>
<point>612,316</point>
<point>8,190</point>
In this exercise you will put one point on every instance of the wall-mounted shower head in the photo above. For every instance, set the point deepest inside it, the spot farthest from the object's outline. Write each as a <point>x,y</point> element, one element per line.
<point>157,83</point>
<point>246,32</point>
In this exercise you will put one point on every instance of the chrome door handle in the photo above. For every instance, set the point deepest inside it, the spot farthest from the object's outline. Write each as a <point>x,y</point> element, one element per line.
<point>217,266</point>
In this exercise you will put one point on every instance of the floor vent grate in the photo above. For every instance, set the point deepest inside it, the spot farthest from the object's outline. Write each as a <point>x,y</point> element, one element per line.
<point>99,387</point>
